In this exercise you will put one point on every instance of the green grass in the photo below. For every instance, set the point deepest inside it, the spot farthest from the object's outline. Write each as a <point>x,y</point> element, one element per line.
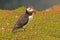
<point>44,26</point>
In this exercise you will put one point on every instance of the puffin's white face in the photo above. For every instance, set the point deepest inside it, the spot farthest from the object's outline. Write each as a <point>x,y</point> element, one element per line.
<point>30,9</point>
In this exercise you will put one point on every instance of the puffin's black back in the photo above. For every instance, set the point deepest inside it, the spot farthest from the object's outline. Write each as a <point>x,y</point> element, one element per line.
<point>23,20</point>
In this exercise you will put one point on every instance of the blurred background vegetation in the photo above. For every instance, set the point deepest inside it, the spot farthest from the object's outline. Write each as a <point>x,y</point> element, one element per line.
<point>38,4</point>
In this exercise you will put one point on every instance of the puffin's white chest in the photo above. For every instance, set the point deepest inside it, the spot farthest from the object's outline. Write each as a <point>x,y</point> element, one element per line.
<point>30,18</point>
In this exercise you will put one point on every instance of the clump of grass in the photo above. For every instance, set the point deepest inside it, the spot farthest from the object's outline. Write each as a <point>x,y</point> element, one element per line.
<point>21,9</point>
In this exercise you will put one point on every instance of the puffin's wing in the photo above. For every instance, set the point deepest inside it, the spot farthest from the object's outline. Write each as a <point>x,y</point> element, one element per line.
<point>21,22</point>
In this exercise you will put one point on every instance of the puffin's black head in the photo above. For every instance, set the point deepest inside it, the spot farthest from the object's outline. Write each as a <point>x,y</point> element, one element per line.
<point>30,11</point>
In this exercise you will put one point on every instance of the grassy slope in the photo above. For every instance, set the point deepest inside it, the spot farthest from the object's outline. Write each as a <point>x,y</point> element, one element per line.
<point>44,26</point>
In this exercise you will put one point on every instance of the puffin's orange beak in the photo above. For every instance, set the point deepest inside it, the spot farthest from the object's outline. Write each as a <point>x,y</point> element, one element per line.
<point>34,11</point>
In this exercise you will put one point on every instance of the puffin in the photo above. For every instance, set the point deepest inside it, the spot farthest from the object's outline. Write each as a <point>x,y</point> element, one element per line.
<point>24,19</point>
